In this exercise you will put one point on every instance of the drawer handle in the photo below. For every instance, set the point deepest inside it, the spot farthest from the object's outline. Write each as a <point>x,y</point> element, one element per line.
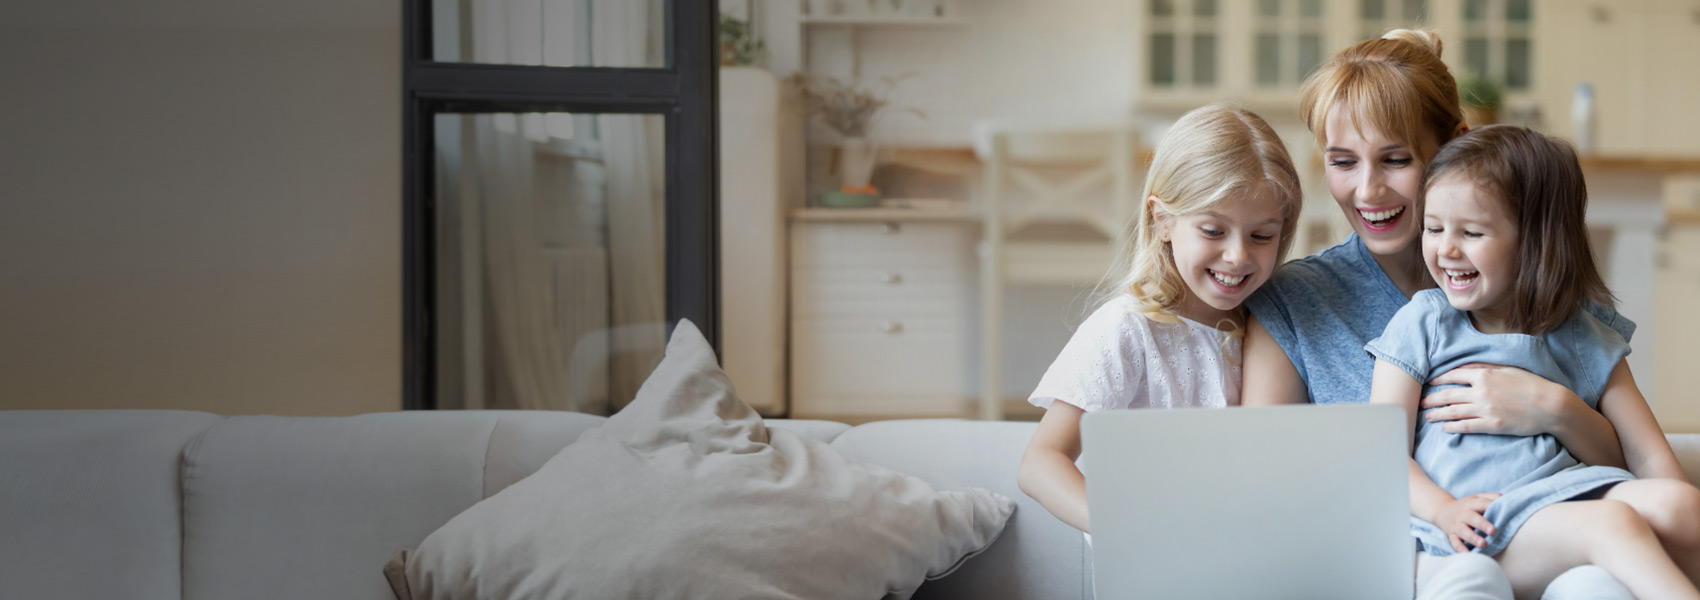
<point>891,228</point>
<point>891,277</point>
<point>891,327</point>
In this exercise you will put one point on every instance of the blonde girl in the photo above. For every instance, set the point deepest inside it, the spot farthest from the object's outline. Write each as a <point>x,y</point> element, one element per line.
<point>1220,201</point>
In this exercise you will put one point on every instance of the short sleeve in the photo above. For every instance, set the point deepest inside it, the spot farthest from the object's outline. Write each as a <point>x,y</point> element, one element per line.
<point>1102,366</point>
<point>1269,306</point>
<point>1408,340</point>
<point>1609,316</point>
<point>1600,340</point>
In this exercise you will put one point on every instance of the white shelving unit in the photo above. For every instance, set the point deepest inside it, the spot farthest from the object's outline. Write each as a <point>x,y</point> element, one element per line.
<point>947,15</point>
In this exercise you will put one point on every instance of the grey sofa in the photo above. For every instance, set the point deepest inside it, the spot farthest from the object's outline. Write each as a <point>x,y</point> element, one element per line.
<point>166,505</point>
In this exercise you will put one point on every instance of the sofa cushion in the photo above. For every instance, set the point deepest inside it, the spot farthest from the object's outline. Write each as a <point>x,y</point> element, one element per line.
<point>687,494</point>
<point>1038,556</point>
<point>291,507</point>
<point>89,502</point>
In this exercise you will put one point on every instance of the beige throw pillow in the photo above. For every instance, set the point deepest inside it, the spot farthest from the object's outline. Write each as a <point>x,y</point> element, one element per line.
<point>686,494</point>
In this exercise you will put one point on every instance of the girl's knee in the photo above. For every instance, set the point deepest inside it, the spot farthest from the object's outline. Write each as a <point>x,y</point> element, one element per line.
<point>1673,510</point>
<point>1616,518</point>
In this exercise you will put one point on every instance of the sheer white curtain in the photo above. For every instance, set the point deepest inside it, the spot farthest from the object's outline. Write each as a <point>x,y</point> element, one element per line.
<point>522,333</point>
<point>573,263</point>
<point>524,356</point>
<point>632,153</point>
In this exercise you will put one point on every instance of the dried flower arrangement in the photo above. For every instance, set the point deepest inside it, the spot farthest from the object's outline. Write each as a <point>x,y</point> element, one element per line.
<point>846,108</point>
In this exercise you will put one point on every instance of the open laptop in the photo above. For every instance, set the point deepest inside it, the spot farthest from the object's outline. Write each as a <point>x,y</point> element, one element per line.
<point>1296,502</point>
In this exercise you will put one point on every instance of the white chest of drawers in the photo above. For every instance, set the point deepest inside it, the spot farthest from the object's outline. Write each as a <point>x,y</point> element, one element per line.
<point>880,315</point>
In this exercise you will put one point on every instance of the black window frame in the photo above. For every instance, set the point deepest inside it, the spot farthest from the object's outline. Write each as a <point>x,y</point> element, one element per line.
<point>685,92</point>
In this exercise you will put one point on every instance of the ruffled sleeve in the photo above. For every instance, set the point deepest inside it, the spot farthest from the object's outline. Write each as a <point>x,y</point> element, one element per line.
<point>1102,366</point>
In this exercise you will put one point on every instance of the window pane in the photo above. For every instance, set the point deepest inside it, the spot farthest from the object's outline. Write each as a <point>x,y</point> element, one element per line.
<point>1268,59</point>
<point>1162,8</point>
<point>1310,8</point>
<point>1204,59</point>
<point>550,259</point>
<point>1372,10</point>
<point>1476,55</point>
<point>1163,58</point>
<point>1310,54</point>
<point>1517,63</point>
<point>557,33</point>
<point>1517,11</point>
<point>1204,8</point>
<point>1475,10</point>
<point>1416,11</point>
<point>1269,8</point>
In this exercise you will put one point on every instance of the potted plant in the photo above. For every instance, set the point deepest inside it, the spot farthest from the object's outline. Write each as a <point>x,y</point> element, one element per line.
<point>739,46</point>
<point>851,111</point>
<point>1479,95</point>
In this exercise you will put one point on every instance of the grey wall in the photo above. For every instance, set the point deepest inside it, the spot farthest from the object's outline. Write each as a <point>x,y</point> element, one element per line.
<point>200,205</point>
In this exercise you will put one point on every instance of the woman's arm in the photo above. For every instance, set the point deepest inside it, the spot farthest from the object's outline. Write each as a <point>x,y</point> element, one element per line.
<point>1047,471</point>
<point>1645,448</point>
<point>1460,518</point>
<point>1511,401</point>
<point>1268,374</point>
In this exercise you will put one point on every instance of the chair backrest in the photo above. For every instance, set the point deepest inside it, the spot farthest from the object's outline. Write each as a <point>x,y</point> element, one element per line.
<point>1086,173</point>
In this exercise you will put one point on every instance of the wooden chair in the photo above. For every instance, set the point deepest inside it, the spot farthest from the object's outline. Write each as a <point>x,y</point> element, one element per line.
<point>1081,174</point>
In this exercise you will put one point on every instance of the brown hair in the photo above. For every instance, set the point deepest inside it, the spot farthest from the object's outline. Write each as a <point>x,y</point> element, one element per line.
<point>1540,180</point>
<point>1396,81</point>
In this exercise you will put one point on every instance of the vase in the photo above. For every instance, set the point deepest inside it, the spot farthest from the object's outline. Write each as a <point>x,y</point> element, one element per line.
<point>1583,117</point>
<point>855,163</point>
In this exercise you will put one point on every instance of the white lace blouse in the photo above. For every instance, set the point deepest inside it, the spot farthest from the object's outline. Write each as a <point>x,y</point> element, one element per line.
<point>1120,359</point>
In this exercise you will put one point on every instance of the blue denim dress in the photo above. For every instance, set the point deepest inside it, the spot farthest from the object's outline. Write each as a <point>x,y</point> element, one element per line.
<point>1428,337</point>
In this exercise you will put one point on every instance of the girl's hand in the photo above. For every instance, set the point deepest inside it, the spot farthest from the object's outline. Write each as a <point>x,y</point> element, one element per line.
<point>1463,522</point>
<point>1500,400</point>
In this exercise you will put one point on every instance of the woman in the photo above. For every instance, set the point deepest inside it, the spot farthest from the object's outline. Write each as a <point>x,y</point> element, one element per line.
<point>1380,110</point>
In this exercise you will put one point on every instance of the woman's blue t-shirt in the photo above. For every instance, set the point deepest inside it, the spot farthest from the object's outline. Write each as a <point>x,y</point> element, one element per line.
<point>1321,310</point>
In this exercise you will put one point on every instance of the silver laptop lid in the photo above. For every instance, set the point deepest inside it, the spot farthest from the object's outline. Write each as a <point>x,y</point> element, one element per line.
<point>1296,502</point>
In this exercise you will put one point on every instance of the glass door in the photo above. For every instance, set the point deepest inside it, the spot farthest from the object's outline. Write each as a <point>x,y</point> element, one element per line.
<point>560,198</point>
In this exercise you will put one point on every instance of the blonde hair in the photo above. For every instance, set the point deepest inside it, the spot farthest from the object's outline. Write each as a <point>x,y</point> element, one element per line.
<point>1212,153</point>
<point>1396,81</point>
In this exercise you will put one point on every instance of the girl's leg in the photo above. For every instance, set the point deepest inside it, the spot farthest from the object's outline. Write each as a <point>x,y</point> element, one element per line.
<point>1672,509</point>
<point>1607,533</point>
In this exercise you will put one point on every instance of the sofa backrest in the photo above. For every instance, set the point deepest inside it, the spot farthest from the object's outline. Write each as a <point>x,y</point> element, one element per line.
<point>312,508</point>
<point>89,503</point>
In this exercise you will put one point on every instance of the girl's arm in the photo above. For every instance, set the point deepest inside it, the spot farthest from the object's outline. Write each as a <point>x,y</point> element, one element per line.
<point>1645,448</point>
<point>1268,373</point>
<point>1460,518</point>
<point>1511,401</point>
<point>1047,472</point>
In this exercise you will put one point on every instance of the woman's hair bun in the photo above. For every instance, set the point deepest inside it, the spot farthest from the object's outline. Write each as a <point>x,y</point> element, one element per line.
<point>1428,40</point>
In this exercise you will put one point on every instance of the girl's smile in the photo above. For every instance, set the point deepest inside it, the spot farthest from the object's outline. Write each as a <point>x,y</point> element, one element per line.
<point>1224,254</point>
<point>1470,247</point>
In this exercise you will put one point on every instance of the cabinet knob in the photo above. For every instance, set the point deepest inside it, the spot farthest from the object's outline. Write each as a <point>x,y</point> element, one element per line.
<point>891,327</point>
<point>891,228</point>
<point>891,277</point>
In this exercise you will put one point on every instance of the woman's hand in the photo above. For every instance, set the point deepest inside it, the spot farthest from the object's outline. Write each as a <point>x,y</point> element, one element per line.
<point>1511,401</point>
<point>1463,522</point>
<point>1500,400</point>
